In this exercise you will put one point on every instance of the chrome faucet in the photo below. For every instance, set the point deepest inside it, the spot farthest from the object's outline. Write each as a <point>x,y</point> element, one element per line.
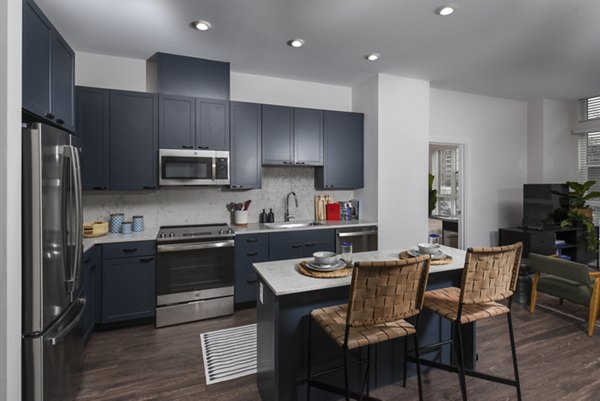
<point>288,216</point>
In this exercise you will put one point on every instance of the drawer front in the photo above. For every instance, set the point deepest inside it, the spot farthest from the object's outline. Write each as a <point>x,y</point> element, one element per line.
<point>286,251</point>
<point>245,288</point>
<point>244,257</point>
<point>129,249</point>
<point>312,247</point>
<point>251,240</point>
<point>318,235</point>
<point>91,255</point>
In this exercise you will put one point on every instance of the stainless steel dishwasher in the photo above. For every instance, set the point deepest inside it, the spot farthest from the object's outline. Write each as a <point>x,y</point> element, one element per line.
<point>363,238</point>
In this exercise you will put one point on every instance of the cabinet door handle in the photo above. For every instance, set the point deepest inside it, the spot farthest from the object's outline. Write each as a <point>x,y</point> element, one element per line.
<point>130,250</point>
<point>49,115</point>
<point>203,147</point>
<point>300,162</point>
<point>235,186</point>
<point>60,121</point>
<point>297,246</point>
<point>309,244</point>
<point>251,253</point>
<point>252,240</point>
<point>187,147</point>
<point>149,187</point>
<point>146,260</point>
<point>251,281</point>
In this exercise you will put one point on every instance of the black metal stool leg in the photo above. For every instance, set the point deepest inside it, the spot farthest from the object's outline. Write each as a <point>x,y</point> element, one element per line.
<point>418,366</point>
<point>368,370</point>
<point>346,388</point>
<point>308,370</point>
<point>405,357</point>
<point>459,356</point>
<point>514,355</point>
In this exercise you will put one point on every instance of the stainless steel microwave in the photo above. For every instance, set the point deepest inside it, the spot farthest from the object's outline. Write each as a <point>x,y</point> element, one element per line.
<point>193,167</point>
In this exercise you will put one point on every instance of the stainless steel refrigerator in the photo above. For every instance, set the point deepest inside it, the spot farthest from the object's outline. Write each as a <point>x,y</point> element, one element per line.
<point>53,304</point>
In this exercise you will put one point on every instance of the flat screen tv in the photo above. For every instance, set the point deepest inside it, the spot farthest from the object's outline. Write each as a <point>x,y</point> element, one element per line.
<point>539,203</point>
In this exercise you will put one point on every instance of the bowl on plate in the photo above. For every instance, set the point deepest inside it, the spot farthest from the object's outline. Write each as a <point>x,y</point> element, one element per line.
<point>429,249</point>
<point>325,258</point>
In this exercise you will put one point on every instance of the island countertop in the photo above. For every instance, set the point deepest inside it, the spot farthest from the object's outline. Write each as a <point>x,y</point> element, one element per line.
<point>283,277</point>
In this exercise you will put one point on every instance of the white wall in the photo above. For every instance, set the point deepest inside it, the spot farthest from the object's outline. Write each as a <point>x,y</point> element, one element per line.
<point>10,199</point>
<point>289,92</point>
<point>535,141</point>
<point>110,72</point>
<point>365,100</point>
<point>494,132</point>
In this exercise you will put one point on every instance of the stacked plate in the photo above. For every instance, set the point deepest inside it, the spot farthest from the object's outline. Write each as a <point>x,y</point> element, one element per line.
<point>313,265</point>
<point>436,256</point>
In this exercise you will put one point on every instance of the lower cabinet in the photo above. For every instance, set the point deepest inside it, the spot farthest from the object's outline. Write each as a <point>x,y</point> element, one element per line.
<point>128,284</point>
<point>249,249</point>
<point>92,289</point>
<point>300,244</point>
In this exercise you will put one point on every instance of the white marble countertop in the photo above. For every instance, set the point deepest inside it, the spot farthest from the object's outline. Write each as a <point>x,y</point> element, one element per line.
<point>149,234</point>
<point>283,278</point>
<point>253,228</point>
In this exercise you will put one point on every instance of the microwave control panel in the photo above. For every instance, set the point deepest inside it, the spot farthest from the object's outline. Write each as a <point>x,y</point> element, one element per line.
<point>222,173</point>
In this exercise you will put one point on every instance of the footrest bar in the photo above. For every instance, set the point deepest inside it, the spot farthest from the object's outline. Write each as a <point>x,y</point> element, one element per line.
<point>435,346</point>
<point>326,371</point>
<point>340,391</point>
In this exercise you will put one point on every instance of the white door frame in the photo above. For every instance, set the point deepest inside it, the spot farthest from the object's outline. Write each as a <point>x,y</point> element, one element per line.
<point>463,184</point>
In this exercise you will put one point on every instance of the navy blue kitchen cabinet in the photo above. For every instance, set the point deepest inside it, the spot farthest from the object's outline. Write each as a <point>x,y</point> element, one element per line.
<point>92,126</point>
<point>177,118</point>
<point>188,76</point>
<point>300,244</point>
<point>92,289</point>
<point>48,69</point>
<point>133,140</point>
<point>249,249</point>
<point>343,151</point>
<point>128,283</point>
<point>193,123</point>
<point>245,141</point>
<point>292,136</point>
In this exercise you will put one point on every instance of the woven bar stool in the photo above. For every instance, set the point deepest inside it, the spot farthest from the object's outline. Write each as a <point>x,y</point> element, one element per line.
<point>382,295</point>
<point>489,275</point>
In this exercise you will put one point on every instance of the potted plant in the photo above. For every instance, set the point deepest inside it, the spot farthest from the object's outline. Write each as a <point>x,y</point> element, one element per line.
<point>579,213</point>
<point>432,195</point>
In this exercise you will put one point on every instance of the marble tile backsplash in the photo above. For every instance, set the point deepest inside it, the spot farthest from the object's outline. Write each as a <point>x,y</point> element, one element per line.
<point>203,205</point>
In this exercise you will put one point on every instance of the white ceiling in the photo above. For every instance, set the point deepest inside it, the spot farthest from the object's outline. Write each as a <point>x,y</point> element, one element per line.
<point>521,49</point>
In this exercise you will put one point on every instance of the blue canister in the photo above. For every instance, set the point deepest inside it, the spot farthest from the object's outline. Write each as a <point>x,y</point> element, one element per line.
<point>126,227</point>
<point>116,221</point>
<point>138,223</point>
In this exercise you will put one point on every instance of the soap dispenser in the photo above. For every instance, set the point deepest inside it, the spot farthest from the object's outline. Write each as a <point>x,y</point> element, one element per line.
<point>262,218</point>
<point>271,216</point>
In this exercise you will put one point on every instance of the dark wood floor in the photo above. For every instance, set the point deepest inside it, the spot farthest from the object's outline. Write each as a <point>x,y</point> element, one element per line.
<point>557,360</point>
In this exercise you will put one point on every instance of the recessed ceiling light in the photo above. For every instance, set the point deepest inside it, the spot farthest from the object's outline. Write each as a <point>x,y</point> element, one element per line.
<point>373,56</point>
<point>444,10</point>
<point>296,43</point>
<point>201,25</point>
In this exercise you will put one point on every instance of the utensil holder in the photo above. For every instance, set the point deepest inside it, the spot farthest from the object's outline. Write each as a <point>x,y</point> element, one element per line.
<point>240,217</point>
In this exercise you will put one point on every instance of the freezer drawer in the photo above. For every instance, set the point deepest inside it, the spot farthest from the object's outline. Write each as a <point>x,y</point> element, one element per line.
<point>53,361</point>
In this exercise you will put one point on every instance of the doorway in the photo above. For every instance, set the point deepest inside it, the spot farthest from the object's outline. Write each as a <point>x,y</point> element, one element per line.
<point>446,164</point>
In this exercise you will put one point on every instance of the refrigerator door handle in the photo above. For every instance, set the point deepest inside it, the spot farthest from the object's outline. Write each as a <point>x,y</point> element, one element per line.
<point>71,153</point>
<point>54,340</point>
<point>79,212</point>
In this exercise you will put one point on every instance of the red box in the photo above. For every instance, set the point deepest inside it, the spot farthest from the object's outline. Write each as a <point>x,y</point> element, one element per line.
<point>333,211</point>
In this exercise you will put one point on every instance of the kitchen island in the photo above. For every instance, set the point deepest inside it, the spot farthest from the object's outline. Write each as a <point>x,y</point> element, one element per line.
<point>284,299</point>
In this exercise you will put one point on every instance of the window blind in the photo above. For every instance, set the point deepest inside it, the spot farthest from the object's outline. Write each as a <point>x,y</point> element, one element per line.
<point>588,109</point>
<point>589,166</point>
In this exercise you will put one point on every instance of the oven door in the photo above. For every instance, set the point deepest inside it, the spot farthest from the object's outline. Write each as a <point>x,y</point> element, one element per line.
<point>187,167</point>
<point>191,271</point>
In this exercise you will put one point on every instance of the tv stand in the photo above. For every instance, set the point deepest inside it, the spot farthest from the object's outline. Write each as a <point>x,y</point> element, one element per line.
<point>543,242</point>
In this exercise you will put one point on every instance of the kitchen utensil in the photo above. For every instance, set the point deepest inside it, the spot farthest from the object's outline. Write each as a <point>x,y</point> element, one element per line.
<point>326,268</point>
<point>138,223</point>
<point>95,229</point>
<point>346,248</point>
<point>324,258</point>
<point>240,217</point>
<point>429,249</point>
<point>116,220</point>
<point>247,204</point>
<point>436,256</point>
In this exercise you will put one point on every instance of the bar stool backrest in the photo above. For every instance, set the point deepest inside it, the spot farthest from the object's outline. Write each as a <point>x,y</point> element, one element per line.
<point>490,274</point>
<point>386,291</point>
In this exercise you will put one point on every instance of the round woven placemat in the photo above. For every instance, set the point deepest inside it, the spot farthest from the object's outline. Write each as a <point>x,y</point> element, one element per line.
<point>343,272</point>
<point>433,262</point>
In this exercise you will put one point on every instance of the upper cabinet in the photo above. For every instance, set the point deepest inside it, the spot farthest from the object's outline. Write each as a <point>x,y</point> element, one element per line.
<point>193,123</point>
<point>171,74</point>
<point>48,69</point>
<point>343,152</point>
<point>245,161</point>
<point>292,136</point>
<point>119,130</point>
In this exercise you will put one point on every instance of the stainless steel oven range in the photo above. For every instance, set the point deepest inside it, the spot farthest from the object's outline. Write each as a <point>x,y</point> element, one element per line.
<point>194,273</point>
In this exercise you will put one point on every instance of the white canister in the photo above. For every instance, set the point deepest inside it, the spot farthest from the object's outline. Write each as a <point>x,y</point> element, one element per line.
<point>240,217</point>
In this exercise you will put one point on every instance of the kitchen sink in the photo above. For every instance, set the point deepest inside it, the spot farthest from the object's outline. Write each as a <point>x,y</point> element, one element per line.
<point>294,224</point>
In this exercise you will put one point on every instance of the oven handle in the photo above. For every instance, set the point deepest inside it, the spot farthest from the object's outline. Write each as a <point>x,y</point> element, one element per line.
<point>357,233</point>
<point>194,246</point>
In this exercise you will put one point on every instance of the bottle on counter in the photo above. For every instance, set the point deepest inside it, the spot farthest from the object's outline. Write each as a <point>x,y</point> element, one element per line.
<point>270,216</point>
<point>262,218</point>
